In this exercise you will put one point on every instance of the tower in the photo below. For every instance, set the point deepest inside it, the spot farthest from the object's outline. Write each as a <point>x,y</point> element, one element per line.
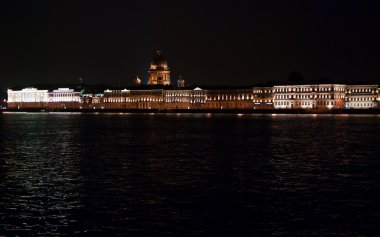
<point>180,82</point>
<point>159,73</point>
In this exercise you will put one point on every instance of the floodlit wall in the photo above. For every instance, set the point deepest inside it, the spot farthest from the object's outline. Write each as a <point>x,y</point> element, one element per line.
<point>177,99</point>
<point>262,98</point>
<point>154,99</point>
<point>229,99</point>
<point>362,97</point>
<point>316,97</point>
<point>320,97</point>
<point>64,98</point>
<point>28,98</point>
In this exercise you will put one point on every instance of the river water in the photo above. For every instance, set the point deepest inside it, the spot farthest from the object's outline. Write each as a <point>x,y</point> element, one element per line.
<point>65,174</point>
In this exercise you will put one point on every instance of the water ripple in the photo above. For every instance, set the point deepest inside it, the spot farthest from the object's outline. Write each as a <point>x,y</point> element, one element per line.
<point>188,175</point>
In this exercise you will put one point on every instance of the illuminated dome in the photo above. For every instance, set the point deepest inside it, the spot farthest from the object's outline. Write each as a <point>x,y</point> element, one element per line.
<point>159,73</point>
<point>159,62</point>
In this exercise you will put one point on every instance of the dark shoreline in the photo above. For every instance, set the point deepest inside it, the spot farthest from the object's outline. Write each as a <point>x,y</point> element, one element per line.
<point>220,111</point>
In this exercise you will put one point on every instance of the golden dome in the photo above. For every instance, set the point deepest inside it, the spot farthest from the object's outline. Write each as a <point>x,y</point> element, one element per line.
<point>159,62</point>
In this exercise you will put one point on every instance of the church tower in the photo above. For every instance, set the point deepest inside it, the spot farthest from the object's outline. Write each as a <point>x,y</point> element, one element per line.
<point>159,73</point>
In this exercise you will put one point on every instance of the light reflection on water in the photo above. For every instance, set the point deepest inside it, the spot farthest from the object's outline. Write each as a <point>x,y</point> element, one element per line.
<point>188,174</point>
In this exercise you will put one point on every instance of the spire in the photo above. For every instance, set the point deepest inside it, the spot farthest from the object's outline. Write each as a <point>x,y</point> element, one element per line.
<point>180,82</point>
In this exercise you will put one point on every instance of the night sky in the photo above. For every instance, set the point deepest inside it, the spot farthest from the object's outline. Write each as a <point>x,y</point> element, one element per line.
<point>236,42</point>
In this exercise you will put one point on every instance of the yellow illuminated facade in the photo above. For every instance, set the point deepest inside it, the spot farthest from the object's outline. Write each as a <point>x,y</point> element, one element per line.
<point>154,99</point>
<point>263,98</point>
<point>320,97</point>
<point>229,99</point>
<point>161,95</point>
<point>159,72</point>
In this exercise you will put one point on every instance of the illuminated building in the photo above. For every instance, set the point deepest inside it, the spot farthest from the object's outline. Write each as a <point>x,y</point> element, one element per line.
<point>146,99</point>
<point>229,99</point>
<point>64,98</point>
<point>117,99</point>
<point>330,96</point>
<point>160,95</point>
<point>262,97</point>
<point>362,96</point>
<point>310,97</point>
<point>28,98</point>
<point>317,97</point>
<point>322,97</point>
<point>92,101</point>
<point>133,99</point>
<point>199,98</point>
<point>159,73</point>
<point>178,99</point>
<point>154,99</point>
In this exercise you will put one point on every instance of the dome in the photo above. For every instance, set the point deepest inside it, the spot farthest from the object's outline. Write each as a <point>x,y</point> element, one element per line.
<point>159,61</point>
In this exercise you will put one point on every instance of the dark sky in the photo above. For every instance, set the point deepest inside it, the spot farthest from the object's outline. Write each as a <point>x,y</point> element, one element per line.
<point>235,42</point>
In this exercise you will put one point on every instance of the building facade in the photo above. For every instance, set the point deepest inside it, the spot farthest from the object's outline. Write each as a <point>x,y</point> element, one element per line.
<point>229,99</point>
<point>161,96</point>
<point>28,98</point>
<point>64,98</point>
<point>178,99</point>
<point>159,72</point>
<point>155,99</point>
<point>310,97</point>
<point>362,96</point>
<point>262,98</point>
<point>316,98</point>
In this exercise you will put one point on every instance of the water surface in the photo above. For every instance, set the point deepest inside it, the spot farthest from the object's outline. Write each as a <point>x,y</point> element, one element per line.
<point>67,174</point>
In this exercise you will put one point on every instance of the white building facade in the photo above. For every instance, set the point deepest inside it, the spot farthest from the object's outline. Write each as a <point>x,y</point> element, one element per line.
<point>362,97</point>
<point>28,98</point>
<point>64,95</point>
<point>319,97</point>
<point>64,98</point>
